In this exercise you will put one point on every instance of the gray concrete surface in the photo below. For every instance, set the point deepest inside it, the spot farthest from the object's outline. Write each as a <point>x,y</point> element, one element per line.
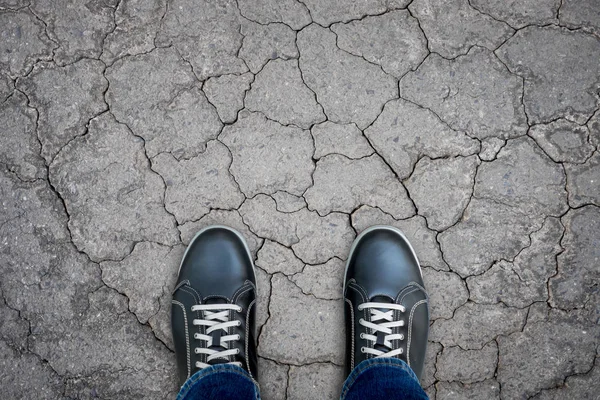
<point>472,125</point>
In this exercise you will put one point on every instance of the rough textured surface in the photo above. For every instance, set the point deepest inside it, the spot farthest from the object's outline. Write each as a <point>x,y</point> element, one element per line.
<point>564,141</point>
<point>341,184</point>
<point>404,132</point>
<point>310,334</point>
<point>47,88</point>
<point>442,188</point>
<point>113,198</point>
<point>128,125</point>
<point>268,156</point>
<point>453,26</point>
<point>280,94</point>
<point>157,96</point>
<point>392,40</point>
<point>227,94</point>
<point>206,173</point>
<point>349,88</point>
<point>564,85</point>
<point>474,93</point>
<point>519,13</point>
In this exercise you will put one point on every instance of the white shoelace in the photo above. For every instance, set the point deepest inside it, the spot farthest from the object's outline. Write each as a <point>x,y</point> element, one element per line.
<point>216,316</point>
<point>386,327</point>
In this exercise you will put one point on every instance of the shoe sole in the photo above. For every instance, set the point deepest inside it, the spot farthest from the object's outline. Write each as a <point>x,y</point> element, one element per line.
<point>239,235</point>
<point>371,229</point>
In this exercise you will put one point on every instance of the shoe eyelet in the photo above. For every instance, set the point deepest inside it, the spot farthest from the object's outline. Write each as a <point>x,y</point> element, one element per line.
<point>360,321</point>
<point>362,335</point>
<point>196,336</point>
<point>239,323</point>
<point>239,309</point>
<point>362,350</point>
<point>237,337</point>
<point>401,336</point>
<point>196,350</point>
<point>237,351</point>
<point>401,351</point>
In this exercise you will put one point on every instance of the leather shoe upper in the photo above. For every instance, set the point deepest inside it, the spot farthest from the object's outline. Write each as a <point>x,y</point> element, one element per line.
<point>213,305</point>
<point>386,305</point>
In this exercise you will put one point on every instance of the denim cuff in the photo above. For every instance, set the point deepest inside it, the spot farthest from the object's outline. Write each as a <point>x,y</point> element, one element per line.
<point>209,371</point>
<point>375,363</point>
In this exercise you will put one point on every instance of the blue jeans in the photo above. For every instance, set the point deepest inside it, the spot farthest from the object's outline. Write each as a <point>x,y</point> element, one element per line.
<point>374,379</point>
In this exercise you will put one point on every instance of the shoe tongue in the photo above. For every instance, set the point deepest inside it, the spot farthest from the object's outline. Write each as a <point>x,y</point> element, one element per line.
<point>381,299</point>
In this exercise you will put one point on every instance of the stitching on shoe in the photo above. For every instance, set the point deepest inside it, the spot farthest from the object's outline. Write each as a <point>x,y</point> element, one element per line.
<point>412,311</point>
<point>352,334</point>
<point>240,292</point>
<point>248,337</point>
<point>187,339</point>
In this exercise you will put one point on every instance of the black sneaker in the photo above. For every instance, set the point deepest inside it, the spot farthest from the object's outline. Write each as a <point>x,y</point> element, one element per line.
<point>213,306</point>
<point>386,306</point>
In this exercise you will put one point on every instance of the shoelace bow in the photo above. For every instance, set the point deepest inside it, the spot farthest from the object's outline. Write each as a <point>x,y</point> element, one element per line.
<point>216,317</point>
<point>381,333</point>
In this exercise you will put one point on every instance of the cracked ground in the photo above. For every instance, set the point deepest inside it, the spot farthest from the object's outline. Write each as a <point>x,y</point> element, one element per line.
<point>128,125</point>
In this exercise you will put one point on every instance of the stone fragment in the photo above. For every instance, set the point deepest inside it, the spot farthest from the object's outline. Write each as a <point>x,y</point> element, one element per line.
<point>309,334</point>
<point>345,139</point>
<point>113,198</point>
<point>265,12</point>
<point>341,184</point>
<point>563,140</point>
<point>575,387</point>
<point>78,27</point>
<point>138,22</point>
<point>323,281</point>
<point>452,27</point>
<point>157,96</point>
<point>327,12</point>
<point>490,147</point>
<point>520,13</point>
<point>267,156</point>
<point>20,147</point>
<point>404,132</point>
<point>560,72</point>
<point>583,182</point>
<point>314,239</point>
<point>226,93</point>
<point>474,325</point>
<point>266,42</point>
<point>24,42</point>
<point>392,40</point>
<point>287,202</point>
<point>486,390</point>
<point>273,257</point>
<point>523,177</point>
<point>349,88</point>
<point>26,376</point>
<point>488,231</point>
<point>580,14</point>
<point>578,274</point>
<point>66,98</point>
<point>544,354</point>
<point>143,276</point>
<point>280,94</point>
<point>524,281</point>
<point>473,93</point>
<point>431,355</point>
<point>467,366</point>
<point>442,188</point>
<point>199,184</point>
<point>231,218</point>
<point>208,40</point>
<point>315,381</point>
<point>273,379</point>
<point>446,292</point>
<point>415,229</point>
